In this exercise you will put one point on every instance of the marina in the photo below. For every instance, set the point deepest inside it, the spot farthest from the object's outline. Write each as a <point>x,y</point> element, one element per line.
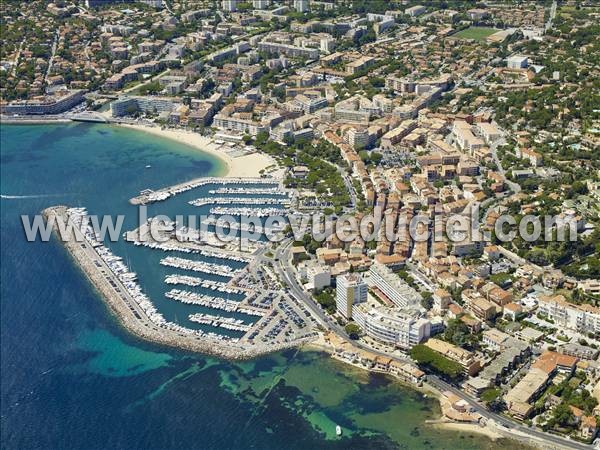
<point>199,282</point>
<point>239,201</point>
<point>247,191</point>
<point>198,266</point>
<point>242,226</point>
<point>229,323</point>
<point>195,249</point>
<point>120,290</point>
<point>248,212</point>
<point>192,298</point>
<point>148,196</point>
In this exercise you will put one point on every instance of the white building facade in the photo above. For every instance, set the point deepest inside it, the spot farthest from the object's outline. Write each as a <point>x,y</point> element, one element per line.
<point>350,290</point>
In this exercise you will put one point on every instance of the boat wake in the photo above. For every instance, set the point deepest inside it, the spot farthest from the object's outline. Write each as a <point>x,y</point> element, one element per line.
<point>19,197</point>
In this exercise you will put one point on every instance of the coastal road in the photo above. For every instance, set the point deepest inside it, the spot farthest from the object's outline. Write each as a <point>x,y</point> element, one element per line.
<point>506,422</point>
<point>286,272</point>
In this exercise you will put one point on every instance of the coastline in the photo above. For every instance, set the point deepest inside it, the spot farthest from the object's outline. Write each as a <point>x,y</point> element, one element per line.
<point>247,166</point>
<point>125,309</point>
<point>487,429</point>
<point>138,330</point>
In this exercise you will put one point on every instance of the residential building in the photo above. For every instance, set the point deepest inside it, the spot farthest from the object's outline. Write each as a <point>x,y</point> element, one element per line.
<point>392,326</point>
<point>393,287</point>
<point>229,5</point>
<point>288,50</point>
<point>517,62</point>
<point>55,104</point>
<point>465,358</point>
<point>415,11</point>
<point>350,290</point>
<point>301,6</point>
<point>583,318</point>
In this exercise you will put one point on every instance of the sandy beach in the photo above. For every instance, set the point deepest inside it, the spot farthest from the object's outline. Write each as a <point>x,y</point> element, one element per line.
<point>487,430</point>
<point>247,166</point>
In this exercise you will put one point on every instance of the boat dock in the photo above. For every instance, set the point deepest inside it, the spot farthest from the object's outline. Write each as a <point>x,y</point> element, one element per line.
<point>248,212</point>
<point>239,201</point>
<point>198,266</point>
<point>148,196</point>
<point>119,288</point>
<point>192,298</point>
<point>247,191</point>
<point>206,284</point>
<point>229,323</point>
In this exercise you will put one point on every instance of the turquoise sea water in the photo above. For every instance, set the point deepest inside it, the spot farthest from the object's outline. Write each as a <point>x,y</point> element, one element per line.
<point>72,378</point>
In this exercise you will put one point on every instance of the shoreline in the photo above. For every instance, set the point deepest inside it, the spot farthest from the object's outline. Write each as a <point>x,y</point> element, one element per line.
<point>130,316</point>
<point>246,166</point>
<point>489,430</point>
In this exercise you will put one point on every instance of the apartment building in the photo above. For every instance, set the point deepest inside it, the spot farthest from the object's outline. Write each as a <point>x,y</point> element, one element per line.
<point>145,104</point>
<point>489,132</point>
<point>392,326</point>
<point>48,105</point>
<point>463,357</point>
<point>288,50</point>
<point>393,287</point>
<point>350,290</point>
<point>583,318</point>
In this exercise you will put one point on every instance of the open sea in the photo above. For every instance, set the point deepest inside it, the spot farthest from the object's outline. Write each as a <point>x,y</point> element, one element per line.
<point>71,378</point>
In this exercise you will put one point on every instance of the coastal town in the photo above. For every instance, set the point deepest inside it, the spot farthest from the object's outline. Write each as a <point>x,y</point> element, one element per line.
<point>404,112</point>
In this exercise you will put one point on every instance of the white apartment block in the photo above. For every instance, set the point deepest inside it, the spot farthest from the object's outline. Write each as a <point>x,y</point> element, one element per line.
<point>260,4</point>
<point>489,132</point>
<point>415,11</point>
<point>229,5</point>
<point>288,50</point>
<point>318,276</point>
<point>392,326</point>
<point>301,5</point>
<point>350,290</point>
<point>517,62</point>
<point>581,318</point>
<point>237,124</point>
<point>465,138</point>
<point>358,138</point>
<point>393,287</point>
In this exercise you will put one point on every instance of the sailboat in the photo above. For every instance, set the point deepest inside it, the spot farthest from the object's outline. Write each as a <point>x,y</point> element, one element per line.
<point>338,430</point>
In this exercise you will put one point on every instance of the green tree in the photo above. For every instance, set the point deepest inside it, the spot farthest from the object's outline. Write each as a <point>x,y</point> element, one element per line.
<point>353,330</point>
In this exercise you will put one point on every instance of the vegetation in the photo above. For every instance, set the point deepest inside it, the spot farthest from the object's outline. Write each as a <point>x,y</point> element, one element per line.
<point>458,333</point>
<point>353,330</point>
<point>476,33</point>
<point>433,360</point>
<point>427,300</point>
<point>326,298</point>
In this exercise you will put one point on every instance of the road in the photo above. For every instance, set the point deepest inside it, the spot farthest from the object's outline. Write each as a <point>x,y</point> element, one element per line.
<point>504,421</point>
<point>494,149</point>
<point>552,16</point>
<point>349,186</point>
<point>286,273</point>
<point>51,60</point>
<point>17,57</point>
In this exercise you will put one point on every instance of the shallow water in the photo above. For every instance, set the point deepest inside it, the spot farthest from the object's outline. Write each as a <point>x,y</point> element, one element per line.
<point>72,378</point>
